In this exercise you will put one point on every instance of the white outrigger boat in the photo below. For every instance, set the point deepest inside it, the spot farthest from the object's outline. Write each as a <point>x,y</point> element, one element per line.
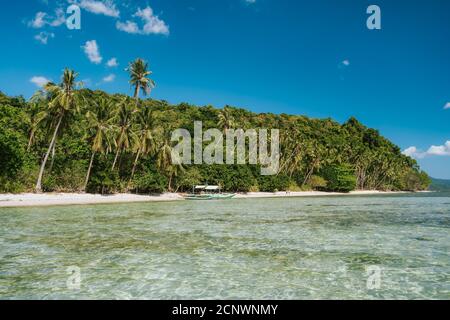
<point>205,192</point>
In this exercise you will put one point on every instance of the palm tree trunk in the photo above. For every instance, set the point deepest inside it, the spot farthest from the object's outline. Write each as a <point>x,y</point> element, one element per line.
<point>308,175</point>
<point>30,141</point>
<point>115,159</point>
<point>136,92</point>
<point>53,157</point>
<point>44,162</point>
<point>170,182</point>
<point>311,171</point>
<point>89,171</point>
<point>119,164</point>
<point>135,164</point>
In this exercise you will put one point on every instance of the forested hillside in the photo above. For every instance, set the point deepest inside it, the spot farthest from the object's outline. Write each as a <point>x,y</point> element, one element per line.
<point>439,185</point>
<point>105,143</point>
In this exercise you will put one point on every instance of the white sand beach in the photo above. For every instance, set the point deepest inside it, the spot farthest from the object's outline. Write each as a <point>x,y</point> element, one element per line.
<point>311,194</point>
<point>53,199</point>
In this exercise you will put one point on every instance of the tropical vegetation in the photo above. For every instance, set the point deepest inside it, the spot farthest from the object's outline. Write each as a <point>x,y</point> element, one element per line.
<point>74,139</point>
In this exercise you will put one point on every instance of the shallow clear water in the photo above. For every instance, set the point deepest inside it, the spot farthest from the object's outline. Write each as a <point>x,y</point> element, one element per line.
<point>376,247</point>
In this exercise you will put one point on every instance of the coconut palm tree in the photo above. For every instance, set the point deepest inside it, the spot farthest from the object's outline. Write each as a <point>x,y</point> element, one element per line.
<point>36,114</point>
<point>139,74</point>
<point>164,159</point>
<point>145,137</point>
<point>100,123</point>
<point>226,119</point>
<point>292,145</point>
<point>314,155</point>
<point>123,128</point>
<point>64,100</point>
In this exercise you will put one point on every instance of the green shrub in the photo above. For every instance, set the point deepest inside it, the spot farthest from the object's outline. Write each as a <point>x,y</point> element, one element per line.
<point>12,153</point>
<point>317,182</point>
<point>12,157</point>
<point>71,177</point>
<point>341,178</point>
<point>274,183</point>
<point>294,187</point>
<point>104,182</point>
<point>49,183</point>
<point>230,177</point>
<point>150,182</point>
<point>188,178</point>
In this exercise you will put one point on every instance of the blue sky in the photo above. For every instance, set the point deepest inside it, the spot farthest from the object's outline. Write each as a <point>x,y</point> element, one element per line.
<point>315,58</point>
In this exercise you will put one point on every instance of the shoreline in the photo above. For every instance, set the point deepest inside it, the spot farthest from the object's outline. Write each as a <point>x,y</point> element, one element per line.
<point>65,199</point>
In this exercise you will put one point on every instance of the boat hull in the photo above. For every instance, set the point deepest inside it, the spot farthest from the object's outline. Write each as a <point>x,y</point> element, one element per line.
<point>210,197</point>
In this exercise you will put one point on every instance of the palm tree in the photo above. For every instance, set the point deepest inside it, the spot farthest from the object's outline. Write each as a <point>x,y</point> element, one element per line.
<point>64,100</point>
<point>139,73</point>
<point>292,145</point>
<point>226,119</point>
<point>36,115</point>
<point>164,159</point>
<point>314,155</point>
<point>123,129</point>
<point>99,121</point>
<point>144,141</point>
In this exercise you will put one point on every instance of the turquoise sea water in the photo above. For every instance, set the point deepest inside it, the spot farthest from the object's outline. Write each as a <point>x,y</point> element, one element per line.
<point>374,247</point>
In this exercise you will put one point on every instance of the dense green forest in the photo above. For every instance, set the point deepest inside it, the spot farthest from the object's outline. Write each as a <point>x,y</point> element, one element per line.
<point>68,138</point>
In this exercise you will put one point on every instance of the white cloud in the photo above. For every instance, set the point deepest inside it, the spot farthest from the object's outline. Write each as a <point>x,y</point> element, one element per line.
<point>112,63</point>
<point>43,37</point>
<point>59,19</point>
<point>129,27</point>
<point>92,51</point>
<point>344,64</point>
<point>107,7</point>
<point>42,19</point>
<point>86,82</point>
<point>38,21</point>
<point>447,106</point>
<point>152,24</point>
<point>39,81</point>
<point>443,150</point>
<point>413,152</point>
<point>109,78</point>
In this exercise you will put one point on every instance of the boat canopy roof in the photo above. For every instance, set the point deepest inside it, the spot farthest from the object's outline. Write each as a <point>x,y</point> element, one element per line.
<point>201,187</point>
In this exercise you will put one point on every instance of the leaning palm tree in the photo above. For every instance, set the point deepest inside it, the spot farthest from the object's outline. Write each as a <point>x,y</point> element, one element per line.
<point>64,100</point>
<point>292,146</point>
<point>100,123</point>
<point>123,128</point>
<point>139,73</point>
<point>145,138</point>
